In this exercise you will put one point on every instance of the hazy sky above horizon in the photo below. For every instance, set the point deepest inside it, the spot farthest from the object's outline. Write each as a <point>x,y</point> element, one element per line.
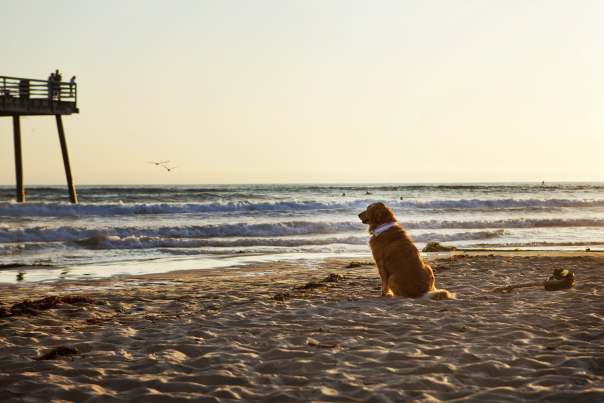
<point>312,91</point>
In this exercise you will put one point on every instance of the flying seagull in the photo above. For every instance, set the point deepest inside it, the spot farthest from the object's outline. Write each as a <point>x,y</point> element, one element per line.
<point>169,169</point>
<point>157,163</point>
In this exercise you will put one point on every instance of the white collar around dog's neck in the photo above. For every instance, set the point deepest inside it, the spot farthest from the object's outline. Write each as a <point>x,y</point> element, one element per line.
<point>383,228</point>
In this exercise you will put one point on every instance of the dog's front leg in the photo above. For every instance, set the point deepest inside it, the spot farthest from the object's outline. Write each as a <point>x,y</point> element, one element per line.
<point>385,278</point>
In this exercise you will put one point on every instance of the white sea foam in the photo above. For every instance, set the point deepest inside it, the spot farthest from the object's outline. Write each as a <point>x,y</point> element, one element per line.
<point>70,233</point>
<point>460,236</point>
<point>543,244</point>
<point>267,249</point>
<point>36,209</point>
<point>145,242</point>
<point>105,241</point>
<point>6,250</point>
<point>283,229</point>
<point>511,223</point>
<point>39,209</point>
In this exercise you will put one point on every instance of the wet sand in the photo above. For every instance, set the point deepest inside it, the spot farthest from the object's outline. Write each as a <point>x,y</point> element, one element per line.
<point>221,336</point>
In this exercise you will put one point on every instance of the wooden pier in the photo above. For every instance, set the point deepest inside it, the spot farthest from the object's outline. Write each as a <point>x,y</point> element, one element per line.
<point>27,97</point>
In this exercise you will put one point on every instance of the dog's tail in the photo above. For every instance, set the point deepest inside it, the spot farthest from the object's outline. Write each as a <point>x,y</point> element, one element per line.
<point>439,295</point>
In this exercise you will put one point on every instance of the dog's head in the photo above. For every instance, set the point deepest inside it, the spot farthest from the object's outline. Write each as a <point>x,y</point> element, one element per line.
<point>376,215</point>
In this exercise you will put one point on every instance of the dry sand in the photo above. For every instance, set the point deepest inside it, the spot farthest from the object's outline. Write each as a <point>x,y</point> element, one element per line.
<point>221,336</point>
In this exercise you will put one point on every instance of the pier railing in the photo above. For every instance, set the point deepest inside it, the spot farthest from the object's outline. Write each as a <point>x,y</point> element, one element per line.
<point>38,89</point>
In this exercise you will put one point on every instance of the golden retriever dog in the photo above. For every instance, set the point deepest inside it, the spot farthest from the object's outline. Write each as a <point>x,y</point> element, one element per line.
<point>401,268</point>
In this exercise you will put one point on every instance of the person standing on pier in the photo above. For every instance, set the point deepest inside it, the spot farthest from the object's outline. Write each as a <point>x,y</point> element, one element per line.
<point>71,84</point>
<point>51,80</point>
<point>58,79</point>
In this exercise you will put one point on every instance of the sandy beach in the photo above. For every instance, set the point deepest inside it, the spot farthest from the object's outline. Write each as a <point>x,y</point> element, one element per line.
<point>245,334</point>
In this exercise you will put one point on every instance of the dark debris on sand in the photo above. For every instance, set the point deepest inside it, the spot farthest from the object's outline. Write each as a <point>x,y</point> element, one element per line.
<point>331,278</point>
<point>454,258</point>
<point>310,286</point>
<point>30,308</point>
<point>282,296</point>
<point>437,247</point>
<point>334,278</point>
<point>336,285</point>
<point>321,345</point>
<point>561,274</point>
<point>58,352</point>
<point>359,264</point>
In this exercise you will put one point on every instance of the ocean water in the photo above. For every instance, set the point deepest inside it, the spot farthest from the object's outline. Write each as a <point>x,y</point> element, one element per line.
<point>130,225</point>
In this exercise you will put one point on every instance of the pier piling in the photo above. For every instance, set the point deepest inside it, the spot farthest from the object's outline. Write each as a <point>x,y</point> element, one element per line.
<point>72,193</point>
<point>18,158</point>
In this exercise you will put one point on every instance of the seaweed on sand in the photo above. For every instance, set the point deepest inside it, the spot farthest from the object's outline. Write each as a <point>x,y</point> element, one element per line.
<point>454,258</point>
<point>60,351</point>
<point>282,296</point>
<point>436,247</point>
<point>310,285</point>
<point>334,278</point>
<point>358,264</point>
<point>321,345</point>
<point>28,307</point>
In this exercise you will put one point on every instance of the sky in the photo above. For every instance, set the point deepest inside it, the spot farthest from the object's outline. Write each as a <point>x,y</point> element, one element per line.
<point>312,91</point>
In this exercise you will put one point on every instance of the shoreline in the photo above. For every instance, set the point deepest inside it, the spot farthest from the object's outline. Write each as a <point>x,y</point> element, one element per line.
<point>46,273</point>
<point>50,274</point>
<point>234,334</point>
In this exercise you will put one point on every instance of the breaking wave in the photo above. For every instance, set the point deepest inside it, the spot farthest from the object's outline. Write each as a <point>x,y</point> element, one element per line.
<point>41,209</point>
<point>105,241</point>
<point>281,229</point>
<point>69,233</point>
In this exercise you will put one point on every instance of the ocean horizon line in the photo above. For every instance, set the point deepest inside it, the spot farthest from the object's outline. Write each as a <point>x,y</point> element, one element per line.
<point>305,183</point>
